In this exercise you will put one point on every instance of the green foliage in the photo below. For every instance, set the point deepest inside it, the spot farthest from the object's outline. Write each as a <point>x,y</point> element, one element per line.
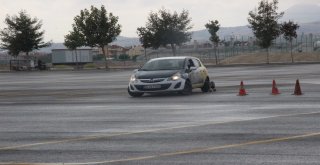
<point>74,39</point>
<point>124,57</point>
<point>90,65</point>
<point>22,34</point>
<point>97,27</point>
<point>63,67</point>
<point>213,27</point>
<point>98,57</point>
<point>146,38</point>
<point>165,28</point>
<point>264,22</point>
<point>46,58</point>
<point>289,30</point>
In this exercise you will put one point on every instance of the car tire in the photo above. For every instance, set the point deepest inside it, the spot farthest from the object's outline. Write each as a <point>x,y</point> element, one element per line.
<point>187,90</point>
<point>206,85</point>
<point>135,94</point>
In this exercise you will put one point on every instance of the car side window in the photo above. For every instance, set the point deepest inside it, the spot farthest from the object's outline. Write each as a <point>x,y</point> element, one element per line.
<point>190,63</point>
<point>196,63</point>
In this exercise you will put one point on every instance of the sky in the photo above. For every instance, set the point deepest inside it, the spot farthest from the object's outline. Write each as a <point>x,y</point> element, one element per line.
<point>57,15</point>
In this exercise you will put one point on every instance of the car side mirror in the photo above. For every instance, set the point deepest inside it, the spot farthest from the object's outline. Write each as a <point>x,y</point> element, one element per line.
<point>190,69</point>
<point>136,70</point>
<point>193,68</point>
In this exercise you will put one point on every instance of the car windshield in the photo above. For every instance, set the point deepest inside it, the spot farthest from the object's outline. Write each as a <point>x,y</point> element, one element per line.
<point>163,64</point>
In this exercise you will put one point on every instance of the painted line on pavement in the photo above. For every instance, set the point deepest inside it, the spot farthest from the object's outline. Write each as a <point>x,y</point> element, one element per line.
<point>202,150</point>
<point>93,137</point>
<point>183,152</point>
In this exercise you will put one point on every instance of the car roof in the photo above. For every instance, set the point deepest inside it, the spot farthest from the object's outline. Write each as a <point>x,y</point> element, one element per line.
<point>176,57</point>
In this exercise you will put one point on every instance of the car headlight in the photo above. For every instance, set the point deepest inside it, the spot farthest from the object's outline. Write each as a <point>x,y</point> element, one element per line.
<point>175,77</point>
<point>133,78</point>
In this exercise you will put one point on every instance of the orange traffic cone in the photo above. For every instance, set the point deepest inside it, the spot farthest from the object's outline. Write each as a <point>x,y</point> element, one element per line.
<point>297,89</point>
<point>242,91</point>
<point>275,90</point>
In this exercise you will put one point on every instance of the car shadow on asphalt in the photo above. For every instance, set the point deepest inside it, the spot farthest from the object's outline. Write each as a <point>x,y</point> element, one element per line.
<point>175,94</point>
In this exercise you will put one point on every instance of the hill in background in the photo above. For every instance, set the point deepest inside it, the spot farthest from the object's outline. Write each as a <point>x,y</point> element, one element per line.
<point>303,13</point>
<point>245,31</point>
<point>306,15</point>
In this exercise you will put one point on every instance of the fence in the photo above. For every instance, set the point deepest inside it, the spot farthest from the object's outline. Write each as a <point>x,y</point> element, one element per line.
<point>304,48</point>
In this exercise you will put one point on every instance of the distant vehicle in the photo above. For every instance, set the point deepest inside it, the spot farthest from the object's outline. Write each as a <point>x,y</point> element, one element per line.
<point>170,74</point>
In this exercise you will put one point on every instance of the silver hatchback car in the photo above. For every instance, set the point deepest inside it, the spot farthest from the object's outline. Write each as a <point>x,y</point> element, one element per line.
<point>169,74</point>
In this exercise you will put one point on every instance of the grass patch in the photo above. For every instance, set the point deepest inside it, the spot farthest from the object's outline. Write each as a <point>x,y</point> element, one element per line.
<point>90,66</point>
<point>63,67</point>
<point>257,58</point>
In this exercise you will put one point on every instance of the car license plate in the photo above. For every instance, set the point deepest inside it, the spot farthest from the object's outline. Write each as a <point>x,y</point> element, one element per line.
<point>152,86</point>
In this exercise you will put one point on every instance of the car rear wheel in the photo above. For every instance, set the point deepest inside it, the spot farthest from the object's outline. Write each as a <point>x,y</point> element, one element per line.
<point>206,86</point>
<point>135,94</point>
<point>187,90</point>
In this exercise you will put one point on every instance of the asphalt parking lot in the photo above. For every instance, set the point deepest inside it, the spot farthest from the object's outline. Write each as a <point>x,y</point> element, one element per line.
<point>87,117</point>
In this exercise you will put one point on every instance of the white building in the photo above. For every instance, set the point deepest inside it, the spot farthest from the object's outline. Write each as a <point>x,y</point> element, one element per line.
<point>67,56</point>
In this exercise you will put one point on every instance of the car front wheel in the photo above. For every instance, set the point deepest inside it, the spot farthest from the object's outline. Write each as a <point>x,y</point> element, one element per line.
<point>135,94</point>
<point>187,90</point>
<point>206,86</point>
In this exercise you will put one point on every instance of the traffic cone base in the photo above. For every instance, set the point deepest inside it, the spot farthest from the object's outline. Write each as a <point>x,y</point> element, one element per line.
<point>297,89</point>
<point>242,91</point>
<point>275,90</point>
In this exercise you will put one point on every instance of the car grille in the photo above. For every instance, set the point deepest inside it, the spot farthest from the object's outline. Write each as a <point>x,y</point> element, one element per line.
<point>162,87</point>
<point>152,80</point>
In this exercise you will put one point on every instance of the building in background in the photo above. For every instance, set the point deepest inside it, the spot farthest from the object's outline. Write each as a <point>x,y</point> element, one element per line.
<point>72,57</point>
<point>136,51</point>
<point>113,51</point>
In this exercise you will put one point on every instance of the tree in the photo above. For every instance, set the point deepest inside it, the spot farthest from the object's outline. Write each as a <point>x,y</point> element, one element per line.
<point>73,40</point>
<point>97,27</point>
<point>289,31</point>
<point>165,28</point>
<point>264,23</point>
<point>22,34</point>
<point>213,27</point>
<point>146,38</point>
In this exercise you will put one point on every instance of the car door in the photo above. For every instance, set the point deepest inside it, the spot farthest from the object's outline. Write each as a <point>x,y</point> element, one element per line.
<point>203,72</point>
<point>190,66</point>
<point>197,72</point>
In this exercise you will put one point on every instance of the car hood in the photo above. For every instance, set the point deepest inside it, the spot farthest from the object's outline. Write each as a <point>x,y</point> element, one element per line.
<point>155,74</point>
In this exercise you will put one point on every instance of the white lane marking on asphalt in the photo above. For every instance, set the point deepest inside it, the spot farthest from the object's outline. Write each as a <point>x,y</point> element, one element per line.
<point>183,152</point>
<point>92,137</point>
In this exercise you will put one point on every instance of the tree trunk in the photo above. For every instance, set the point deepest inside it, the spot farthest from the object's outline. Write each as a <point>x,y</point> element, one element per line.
<point>268,56</point>
<point>291,52</point>
<point>173,49</point>
<point>28,58</point>
<point>215,54</point>
<point>105,57</point>
<point>145,54</point>
<point>77,65</point>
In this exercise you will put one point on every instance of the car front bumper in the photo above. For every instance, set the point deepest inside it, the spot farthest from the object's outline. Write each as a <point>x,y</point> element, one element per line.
<point>163,86</point>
